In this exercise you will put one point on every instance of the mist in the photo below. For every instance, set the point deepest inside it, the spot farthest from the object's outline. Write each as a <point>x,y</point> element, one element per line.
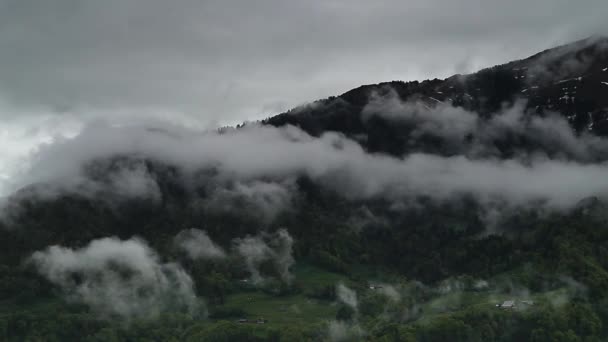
<point>343,331</point>
<point>257,164</point>
<point>119,278</point>
<point>254,251</point>
<point>263,200</point>
<point>257,249</point>
<point>468,134</point>
<point>347,296</point>
<point>198,245</point>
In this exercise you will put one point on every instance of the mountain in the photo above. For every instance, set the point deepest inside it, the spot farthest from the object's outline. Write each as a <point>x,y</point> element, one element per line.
<point>466,209</point>
<point>571,80</point>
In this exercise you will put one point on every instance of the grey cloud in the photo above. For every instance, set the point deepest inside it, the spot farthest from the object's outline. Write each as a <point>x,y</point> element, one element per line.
<point>134,181</point>
<point>256,152</point>
<point>451,123</point>
<point>231,60</point>
<point>390,292</point>
<point>263,247</point>
<point>92,179</point>
<point>363,217</point>
<point>119,277</point>
<point>468,134</point>
<point>347,296</point>
<point>262,199</point>
<point>343,331</point>
<point>255,251</point>
<point>198,245</point>
<point>563,62</point>
<point>282,245</point>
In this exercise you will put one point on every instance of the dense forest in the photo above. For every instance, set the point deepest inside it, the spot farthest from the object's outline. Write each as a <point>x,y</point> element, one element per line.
<point>338,220</point>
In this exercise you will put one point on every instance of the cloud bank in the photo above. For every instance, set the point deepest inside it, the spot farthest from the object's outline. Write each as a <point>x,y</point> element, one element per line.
<point>466,133</point>
<point>260,162</point>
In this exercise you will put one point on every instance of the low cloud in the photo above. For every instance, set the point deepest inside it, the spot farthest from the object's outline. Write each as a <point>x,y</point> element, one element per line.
<point>266,247</point>
<point>390,292</point>
<point>465,133</point>
<point>198,245</point>
<point>256,165</point>
<point>566,61</point>
<point>112,179</point>
<point>338,331</point>
<point>364,217</point>
<point>451,123</point>
<point>261,199</point>
<point>123,278</point>
<point>282,245</point>
<point>134,181</point>
<point>347,296</point>
<point>254,251</point>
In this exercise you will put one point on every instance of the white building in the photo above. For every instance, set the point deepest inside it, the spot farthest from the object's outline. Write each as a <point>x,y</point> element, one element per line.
<point>507,304</point>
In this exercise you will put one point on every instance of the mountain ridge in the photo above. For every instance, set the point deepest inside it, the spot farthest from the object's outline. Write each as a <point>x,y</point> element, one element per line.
<point>569,81</point>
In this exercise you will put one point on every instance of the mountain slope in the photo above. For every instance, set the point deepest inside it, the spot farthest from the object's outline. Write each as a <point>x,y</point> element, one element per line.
<point>571,80</point>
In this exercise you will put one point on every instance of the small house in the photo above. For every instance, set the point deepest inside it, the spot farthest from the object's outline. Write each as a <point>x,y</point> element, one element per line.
<point>507,304</point>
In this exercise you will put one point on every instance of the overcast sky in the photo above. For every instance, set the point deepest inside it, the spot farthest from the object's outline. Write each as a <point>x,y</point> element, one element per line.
<point>233,60</point>
<point>63,62</point>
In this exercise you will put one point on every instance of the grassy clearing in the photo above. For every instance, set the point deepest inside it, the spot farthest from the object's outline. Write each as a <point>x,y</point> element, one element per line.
<point>286,310</point>
<point>291,309</point>
<point>308,276</point>
<point>40,306</point>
